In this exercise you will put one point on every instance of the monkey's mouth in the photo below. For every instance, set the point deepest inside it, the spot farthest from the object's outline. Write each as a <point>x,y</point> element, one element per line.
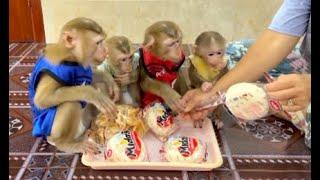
<point>177,59</point>
<point>213,65</point>
<point>96,62</point>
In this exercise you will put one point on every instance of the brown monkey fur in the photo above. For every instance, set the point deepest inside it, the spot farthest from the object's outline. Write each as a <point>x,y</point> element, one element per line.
<point>210,47</point>
<point>123,65</point>
<point>80,40</point>
<point>163,39</point>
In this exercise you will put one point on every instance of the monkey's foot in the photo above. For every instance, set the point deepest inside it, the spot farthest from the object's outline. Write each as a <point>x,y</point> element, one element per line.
<point>90,147</point>
<point>198,123</point>
<point>218,123</point>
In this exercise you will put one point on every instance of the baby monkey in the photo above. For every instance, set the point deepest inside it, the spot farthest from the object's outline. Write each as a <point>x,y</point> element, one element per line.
<point>122,64</point>
<point>206,65</point>
<point>103,82</point>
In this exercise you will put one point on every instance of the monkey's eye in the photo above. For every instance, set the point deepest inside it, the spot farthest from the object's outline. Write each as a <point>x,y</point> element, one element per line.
<point>123,60</point>
<point>99,42</point>
<point>218,53</point>
<point>172,44</point>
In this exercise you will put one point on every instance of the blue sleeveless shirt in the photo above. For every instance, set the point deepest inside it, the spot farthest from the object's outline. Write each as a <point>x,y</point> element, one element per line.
<point>67,74</point>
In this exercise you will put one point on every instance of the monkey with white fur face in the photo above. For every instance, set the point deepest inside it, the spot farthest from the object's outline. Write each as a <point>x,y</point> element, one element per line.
<point>204,67</point>
<point>60,87</point>
<point>207,63</point>
<point>122,64</point>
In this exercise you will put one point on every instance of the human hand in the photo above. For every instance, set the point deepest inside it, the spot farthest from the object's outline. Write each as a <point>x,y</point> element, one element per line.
<point>195,99</point>
<point>194,115</point>
<point>295,89</point>
<point>206,86</point>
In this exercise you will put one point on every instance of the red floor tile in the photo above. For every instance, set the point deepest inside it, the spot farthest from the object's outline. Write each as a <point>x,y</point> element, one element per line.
<point>22,143</point>
<point>19,122</point>
<point>16,161</point>
<point>48,163</point>
<point>19,78</point>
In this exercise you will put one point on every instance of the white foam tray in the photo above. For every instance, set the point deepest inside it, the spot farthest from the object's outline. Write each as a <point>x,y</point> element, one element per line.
<point>153,145</point>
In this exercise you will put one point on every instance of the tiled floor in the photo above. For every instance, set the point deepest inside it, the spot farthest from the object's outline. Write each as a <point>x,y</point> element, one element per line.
<point>268,149</point>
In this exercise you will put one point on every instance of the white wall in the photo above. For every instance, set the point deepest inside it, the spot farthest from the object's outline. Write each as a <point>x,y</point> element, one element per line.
<point>235,19</point>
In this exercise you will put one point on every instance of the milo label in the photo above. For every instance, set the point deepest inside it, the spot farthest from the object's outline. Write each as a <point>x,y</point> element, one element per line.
<point>128,140</point>
<point>275,105</point>
<point>166,118</point>
<point>133,148</point>
<point>186,145</point>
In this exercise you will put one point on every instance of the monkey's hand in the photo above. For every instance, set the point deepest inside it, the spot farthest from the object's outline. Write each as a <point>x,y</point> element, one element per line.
<point>114,92</point>
<point>103,103</point>
<point>113,88</point>
<point>167,93</point>
<point>107,79</point>
<point>123,79</point>
<point>172,99</point>
<point>89,147</point>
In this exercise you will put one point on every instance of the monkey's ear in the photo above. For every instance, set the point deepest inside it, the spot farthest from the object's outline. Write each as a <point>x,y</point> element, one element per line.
<point>69,39</point>
<point>193,48</point>
<point>149,41</point>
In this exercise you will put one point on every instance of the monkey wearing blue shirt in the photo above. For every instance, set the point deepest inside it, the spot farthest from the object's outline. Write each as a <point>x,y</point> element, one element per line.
<point>60,87</point>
